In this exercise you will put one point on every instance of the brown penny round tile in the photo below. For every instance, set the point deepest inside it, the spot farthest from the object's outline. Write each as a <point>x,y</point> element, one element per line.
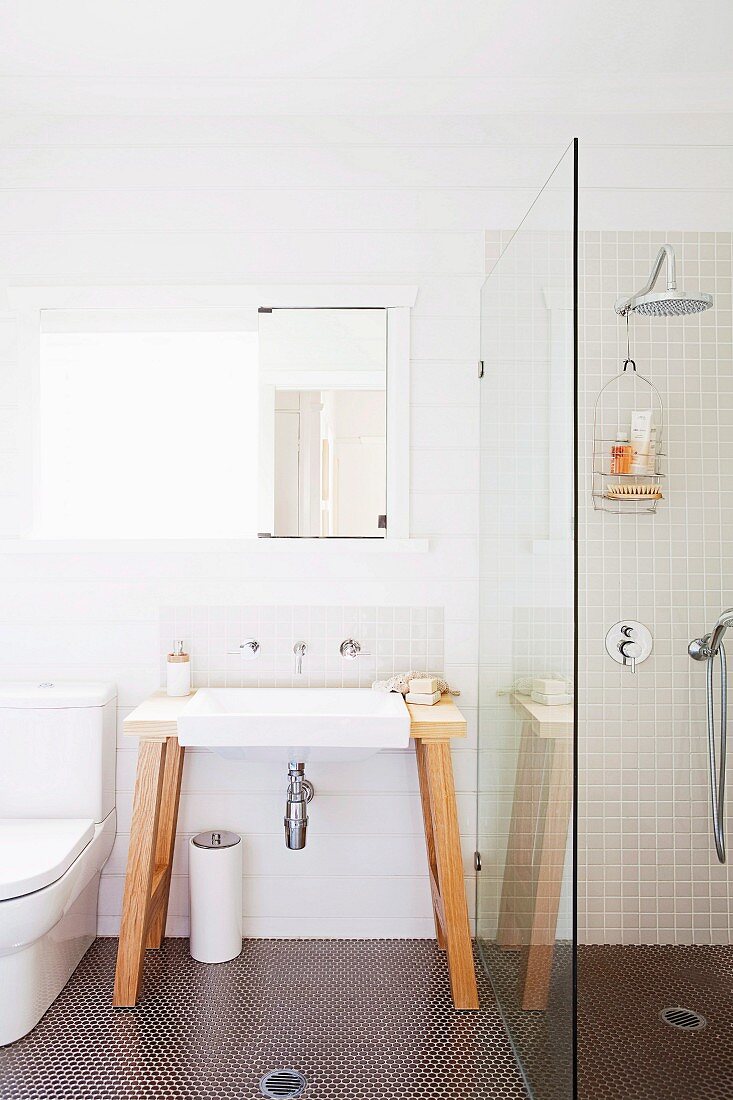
<point>626,1051</point>
<point>362,1019</point>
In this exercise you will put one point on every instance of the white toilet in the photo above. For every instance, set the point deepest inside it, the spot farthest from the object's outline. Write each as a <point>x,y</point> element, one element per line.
<point>57,828</point>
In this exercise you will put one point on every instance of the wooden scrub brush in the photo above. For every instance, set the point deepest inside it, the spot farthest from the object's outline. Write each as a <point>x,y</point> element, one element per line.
<point>634,492</point>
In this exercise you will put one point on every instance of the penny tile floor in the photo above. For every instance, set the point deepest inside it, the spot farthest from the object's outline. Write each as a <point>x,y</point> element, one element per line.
<point>362,1019</point>
<point>625,1051</point>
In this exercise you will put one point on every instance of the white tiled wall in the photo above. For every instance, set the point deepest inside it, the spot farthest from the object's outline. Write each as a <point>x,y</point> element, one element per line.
<point>392,640</point>
<point>647,868</point>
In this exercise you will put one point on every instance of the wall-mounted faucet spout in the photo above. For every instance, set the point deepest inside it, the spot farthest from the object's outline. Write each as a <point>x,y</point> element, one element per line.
<point>299,649</point>
<point>300,792</point>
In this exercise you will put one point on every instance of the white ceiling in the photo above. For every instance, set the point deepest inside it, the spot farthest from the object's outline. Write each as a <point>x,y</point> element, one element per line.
<point>452,55</point>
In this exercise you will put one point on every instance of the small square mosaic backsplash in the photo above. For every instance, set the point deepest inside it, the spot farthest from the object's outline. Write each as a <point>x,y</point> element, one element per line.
<point>647,870</point>
<point>392,640</point>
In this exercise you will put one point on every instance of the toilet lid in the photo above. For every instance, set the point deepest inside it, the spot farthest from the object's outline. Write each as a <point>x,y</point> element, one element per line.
<point>34,852</point>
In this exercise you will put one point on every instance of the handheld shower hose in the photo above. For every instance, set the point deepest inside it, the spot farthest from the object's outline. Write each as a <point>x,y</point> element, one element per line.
<point>707,649</point>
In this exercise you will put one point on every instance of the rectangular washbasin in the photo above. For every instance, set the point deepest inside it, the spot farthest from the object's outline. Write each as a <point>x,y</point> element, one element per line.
<point>295,723</point>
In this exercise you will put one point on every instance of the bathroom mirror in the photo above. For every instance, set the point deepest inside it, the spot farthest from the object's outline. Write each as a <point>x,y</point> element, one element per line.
<point>240,413</point>
<point>292,426</point>
<point>322,422</point>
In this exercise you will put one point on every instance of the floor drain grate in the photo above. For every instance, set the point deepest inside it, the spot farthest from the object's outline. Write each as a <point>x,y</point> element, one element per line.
<point>283,1084</point>
<point>684,1018</point>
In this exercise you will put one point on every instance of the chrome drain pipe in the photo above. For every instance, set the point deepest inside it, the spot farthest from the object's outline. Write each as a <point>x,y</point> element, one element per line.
<point>300,792</point>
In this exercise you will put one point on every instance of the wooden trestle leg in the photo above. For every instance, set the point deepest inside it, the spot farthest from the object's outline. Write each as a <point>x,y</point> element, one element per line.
<point>442,838</point>
<point>147,883</point>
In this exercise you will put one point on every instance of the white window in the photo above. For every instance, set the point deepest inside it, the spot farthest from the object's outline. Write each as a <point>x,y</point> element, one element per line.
<point>145,434</point>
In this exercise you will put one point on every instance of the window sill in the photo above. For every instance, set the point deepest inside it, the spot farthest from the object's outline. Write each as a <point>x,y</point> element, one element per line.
<point>326,547</point>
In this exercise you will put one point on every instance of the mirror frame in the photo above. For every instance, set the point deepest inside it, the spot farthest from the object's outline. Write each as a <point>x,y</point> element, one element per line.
<point>27,304</point>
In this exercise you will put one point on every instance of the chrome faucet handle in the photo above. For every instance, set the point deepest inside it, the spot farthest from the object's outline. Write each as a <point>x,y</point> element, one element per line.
<point>629,651</point>
<point>350,649</point>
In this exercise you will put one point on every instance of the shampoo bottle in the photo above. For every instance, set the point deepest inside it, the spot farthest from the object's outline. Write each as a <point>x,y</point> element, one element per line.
<point>640,437</point>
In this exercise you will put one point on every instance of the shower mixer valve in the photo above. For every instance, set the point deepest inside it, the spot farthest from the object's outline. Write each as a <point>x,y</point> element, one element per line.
<point>628,642</point>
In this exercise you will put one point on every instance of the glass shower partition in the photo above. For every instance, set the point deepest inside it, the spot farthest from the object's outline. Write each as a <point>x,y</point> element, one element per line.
<point>526,740</point>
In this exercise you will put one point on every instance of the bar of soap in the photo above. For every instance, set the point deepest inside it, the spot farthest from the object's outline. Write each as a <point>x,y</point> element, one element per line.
<point>423,698</point>
<point>549,687</point>
<point>551,700</point>
<point>425,686</point>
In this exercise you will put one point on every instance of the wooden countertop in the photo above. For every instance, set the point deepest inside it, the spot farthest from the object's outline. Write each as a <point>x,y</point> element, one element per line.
<point>438,722</point>
<point>156,719</point>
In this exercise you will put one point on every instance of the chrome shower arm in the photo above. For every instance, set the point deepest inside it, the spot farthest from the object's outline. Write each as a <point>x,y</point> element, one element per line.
<point>666,252</point>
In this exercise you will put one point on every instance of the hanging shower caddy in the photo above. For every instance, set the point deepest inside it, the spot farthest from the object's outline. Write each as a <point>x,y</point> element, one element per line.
<point>626,492</point>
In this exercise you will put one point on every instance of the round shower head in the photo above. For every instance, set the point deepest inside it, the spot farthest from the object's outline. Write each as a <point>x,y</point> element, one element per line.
<point>670,303</point>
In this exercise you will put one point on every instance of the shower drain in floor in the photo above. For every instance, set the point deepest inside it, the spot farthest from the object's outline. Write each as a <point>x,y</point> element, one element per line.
<point>684,1018</point>
<point>283,1084</point>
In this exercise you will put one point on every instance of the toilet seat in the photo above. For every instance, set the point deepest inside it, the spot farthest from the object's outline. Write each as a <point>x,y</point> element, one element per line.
<point>35,852</point>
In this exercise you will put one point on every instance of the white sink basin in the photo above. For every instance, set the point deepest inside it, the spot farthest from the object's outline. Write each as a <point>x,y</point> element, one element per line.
<point>295,723</point>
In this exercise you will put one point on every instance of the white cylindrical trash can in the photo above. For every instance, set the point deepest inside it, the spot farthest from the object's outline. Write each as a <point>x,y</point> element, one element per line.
<point>215,892</point>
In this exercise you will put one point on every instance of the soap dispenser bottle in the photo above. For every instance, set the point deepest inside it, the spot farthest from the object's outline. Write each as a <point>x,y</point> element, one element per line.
<point>178,672</point>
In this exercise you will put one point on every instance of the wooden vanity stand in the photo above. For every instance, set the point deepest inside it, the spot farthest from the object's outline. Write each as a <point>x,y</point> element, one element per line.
<point>153,832</point>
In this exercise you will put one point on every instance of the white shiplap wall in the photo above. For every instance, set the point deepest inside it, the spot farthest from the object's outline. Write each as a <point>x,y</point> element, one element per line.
<point>132,198</point>
<point>153,200</point>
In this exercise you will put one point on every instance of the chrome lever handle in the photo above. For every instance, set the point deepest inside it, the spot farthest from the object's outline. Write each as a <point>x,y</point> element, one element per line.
<point>629,651</point>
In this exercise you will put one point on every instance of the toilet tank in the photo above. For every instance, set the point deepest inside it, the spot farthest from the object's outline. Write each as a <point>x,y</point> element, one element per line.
<point>57,749</point>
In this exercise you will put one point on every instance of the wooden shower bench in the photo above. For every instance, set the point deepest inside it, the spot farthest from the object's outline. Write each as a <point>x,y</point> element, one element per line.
<point>153,832</point>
